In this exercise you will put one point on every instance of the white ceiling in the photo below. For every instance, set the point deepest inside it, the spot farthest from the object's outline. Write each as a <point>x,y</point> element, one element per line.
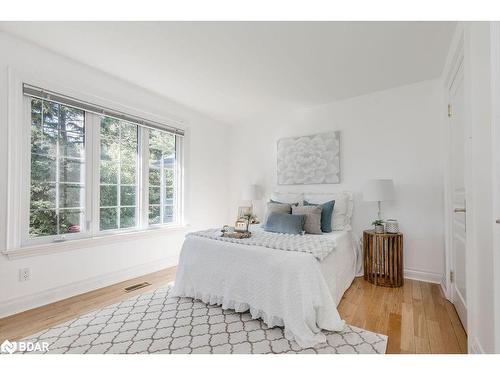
<point>234,71</point>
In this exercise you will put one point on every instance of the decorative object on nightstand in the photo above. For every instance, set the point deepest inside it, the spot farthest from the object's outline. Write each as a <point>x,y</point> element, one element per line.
<point>379,226</point>
<point>391,226</point>
<point>378,191</point>
<point>251,193</point>
<point>383,258</point>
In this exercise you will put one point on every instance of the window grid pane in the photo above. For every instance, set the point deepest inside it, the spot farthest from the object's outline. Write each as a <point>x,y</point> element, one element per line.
<point>118,171</point>
<point>57,188</point>
<point>162,161</point>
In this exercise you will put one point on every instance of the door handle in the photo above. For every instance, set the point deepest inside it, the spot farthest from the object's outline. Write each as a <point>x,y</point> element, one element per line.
<point>497,221</point>
<point>456,210</point>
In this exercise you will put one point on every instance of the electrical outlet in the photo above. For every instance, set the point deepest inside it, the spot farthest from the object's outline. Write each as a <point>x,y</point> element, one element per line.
<point>24,274</point>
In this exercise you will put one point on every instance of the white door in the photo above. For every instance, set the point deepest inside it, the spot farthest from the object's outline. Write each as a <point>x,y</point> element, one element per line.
<point>459,224</point>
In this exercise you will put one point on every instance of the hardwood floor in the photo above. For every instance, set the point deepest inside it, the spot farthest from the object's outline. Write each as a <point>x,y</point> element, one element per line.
<point>416,317</point>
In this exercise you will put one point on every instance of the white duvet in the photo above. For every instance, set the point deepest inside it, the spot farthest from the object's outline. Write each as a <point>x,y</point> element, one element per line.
<point>282,288</point>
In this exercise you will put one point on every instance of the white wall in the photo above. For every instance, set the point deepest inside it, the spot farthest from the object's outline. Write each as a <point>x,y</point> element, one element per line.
<point>396,133</point>
<point>59,275</point>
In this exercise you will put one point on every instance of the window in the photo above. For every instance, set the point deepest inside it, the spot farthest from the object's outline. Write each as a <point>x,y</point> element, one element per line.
<point>118,174</point>
<point>93,174</point>
<point>57,189</point>
<point>161,177</point>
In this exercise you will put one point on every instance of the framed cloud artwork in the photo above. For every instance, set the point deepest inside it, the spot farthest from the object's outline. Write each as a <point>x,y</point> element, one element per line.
<point>312,159</point>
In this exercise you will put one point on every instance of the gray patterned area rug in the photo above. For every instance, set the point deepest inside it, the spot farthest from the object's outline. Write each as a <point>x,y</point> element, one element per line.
<point>155,322</point>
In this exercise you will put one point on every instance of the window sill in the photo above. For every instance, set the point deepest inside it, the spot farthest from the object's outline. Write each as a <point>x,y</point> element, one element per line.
<point>57,247</point>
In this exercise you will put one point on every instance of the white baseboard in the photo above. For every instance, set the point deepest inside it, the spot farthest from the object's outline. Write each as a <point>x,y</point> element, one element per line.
<point>430,277</point>
<point>475,347</point>
<point>28,302</point>
<point>444,289</point>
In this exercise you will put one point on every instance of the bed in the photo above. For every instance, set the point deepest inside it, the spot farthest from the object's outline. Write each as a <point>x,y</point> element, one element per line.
<point>341,267</point>
<point>292,289</point>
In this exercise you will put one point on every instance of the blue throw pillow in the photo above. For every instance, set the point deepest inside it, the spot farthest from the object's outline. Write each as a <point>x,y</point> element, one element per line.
<point>278,222</point>
<point>326,214</point>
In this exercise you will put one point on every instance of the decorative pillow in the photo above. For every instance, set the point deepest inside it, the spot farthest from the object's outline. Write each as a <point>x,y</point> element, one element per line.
<point>284,208</point>
<point>291,204</point>
<point>312,224</point>
<point>326,214</point>
<point>278,222</point>
<point>342,211</point>
<point>287,197</point>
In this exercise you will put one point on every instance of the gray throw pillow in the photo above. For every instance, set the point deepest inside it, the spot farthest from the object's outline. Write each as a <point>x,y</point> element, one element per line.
<point>283,208</point>
<point>326,214</point>
<point>284,223</point>
<point>312,224</point>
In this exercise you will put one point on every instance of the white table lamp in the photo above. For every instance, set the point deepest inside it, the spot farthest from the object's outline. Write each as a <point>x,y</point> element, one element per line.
<point>251,193</point>
<point>378,191</point>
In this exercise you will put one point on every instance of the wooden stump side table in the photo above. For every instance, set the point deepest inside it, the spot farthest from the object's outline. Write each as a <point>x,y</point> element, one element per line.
<point>383,258</point>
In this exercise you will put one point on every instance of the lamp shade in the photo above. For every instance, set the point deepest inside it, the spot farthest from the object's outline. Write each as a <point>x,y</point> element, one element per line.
<point>250,193</point>
<point>378,190</point>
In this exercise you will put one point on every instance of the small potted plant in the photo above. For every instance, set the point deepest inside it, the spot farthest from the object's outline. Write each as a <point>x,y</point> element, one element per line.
<point>379,226</point>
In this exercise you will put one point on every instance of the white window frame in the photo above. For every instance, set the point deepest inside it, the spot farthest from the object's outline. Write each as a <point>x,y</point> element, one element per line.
<point>178,185</point>
<point>92,185</point>
<point>142,182</point>
<point>26,240</point>
<point>97,182</point>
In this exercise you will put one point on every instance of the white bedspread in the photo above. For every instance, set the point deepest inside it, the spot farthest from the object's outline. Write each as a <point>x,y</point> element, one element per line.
<point>283,288</point>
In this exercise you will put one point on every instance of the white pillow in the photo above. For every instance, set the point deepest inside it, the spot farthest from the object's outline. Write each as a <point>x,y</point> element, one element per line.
<point>342,210</point>
<point>288,197</point>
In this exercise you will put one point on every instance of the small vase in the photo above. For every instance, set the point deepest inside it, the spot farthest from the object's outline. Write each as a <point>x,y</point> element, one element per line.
<point>392,226</point>
<point>379,229</point>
